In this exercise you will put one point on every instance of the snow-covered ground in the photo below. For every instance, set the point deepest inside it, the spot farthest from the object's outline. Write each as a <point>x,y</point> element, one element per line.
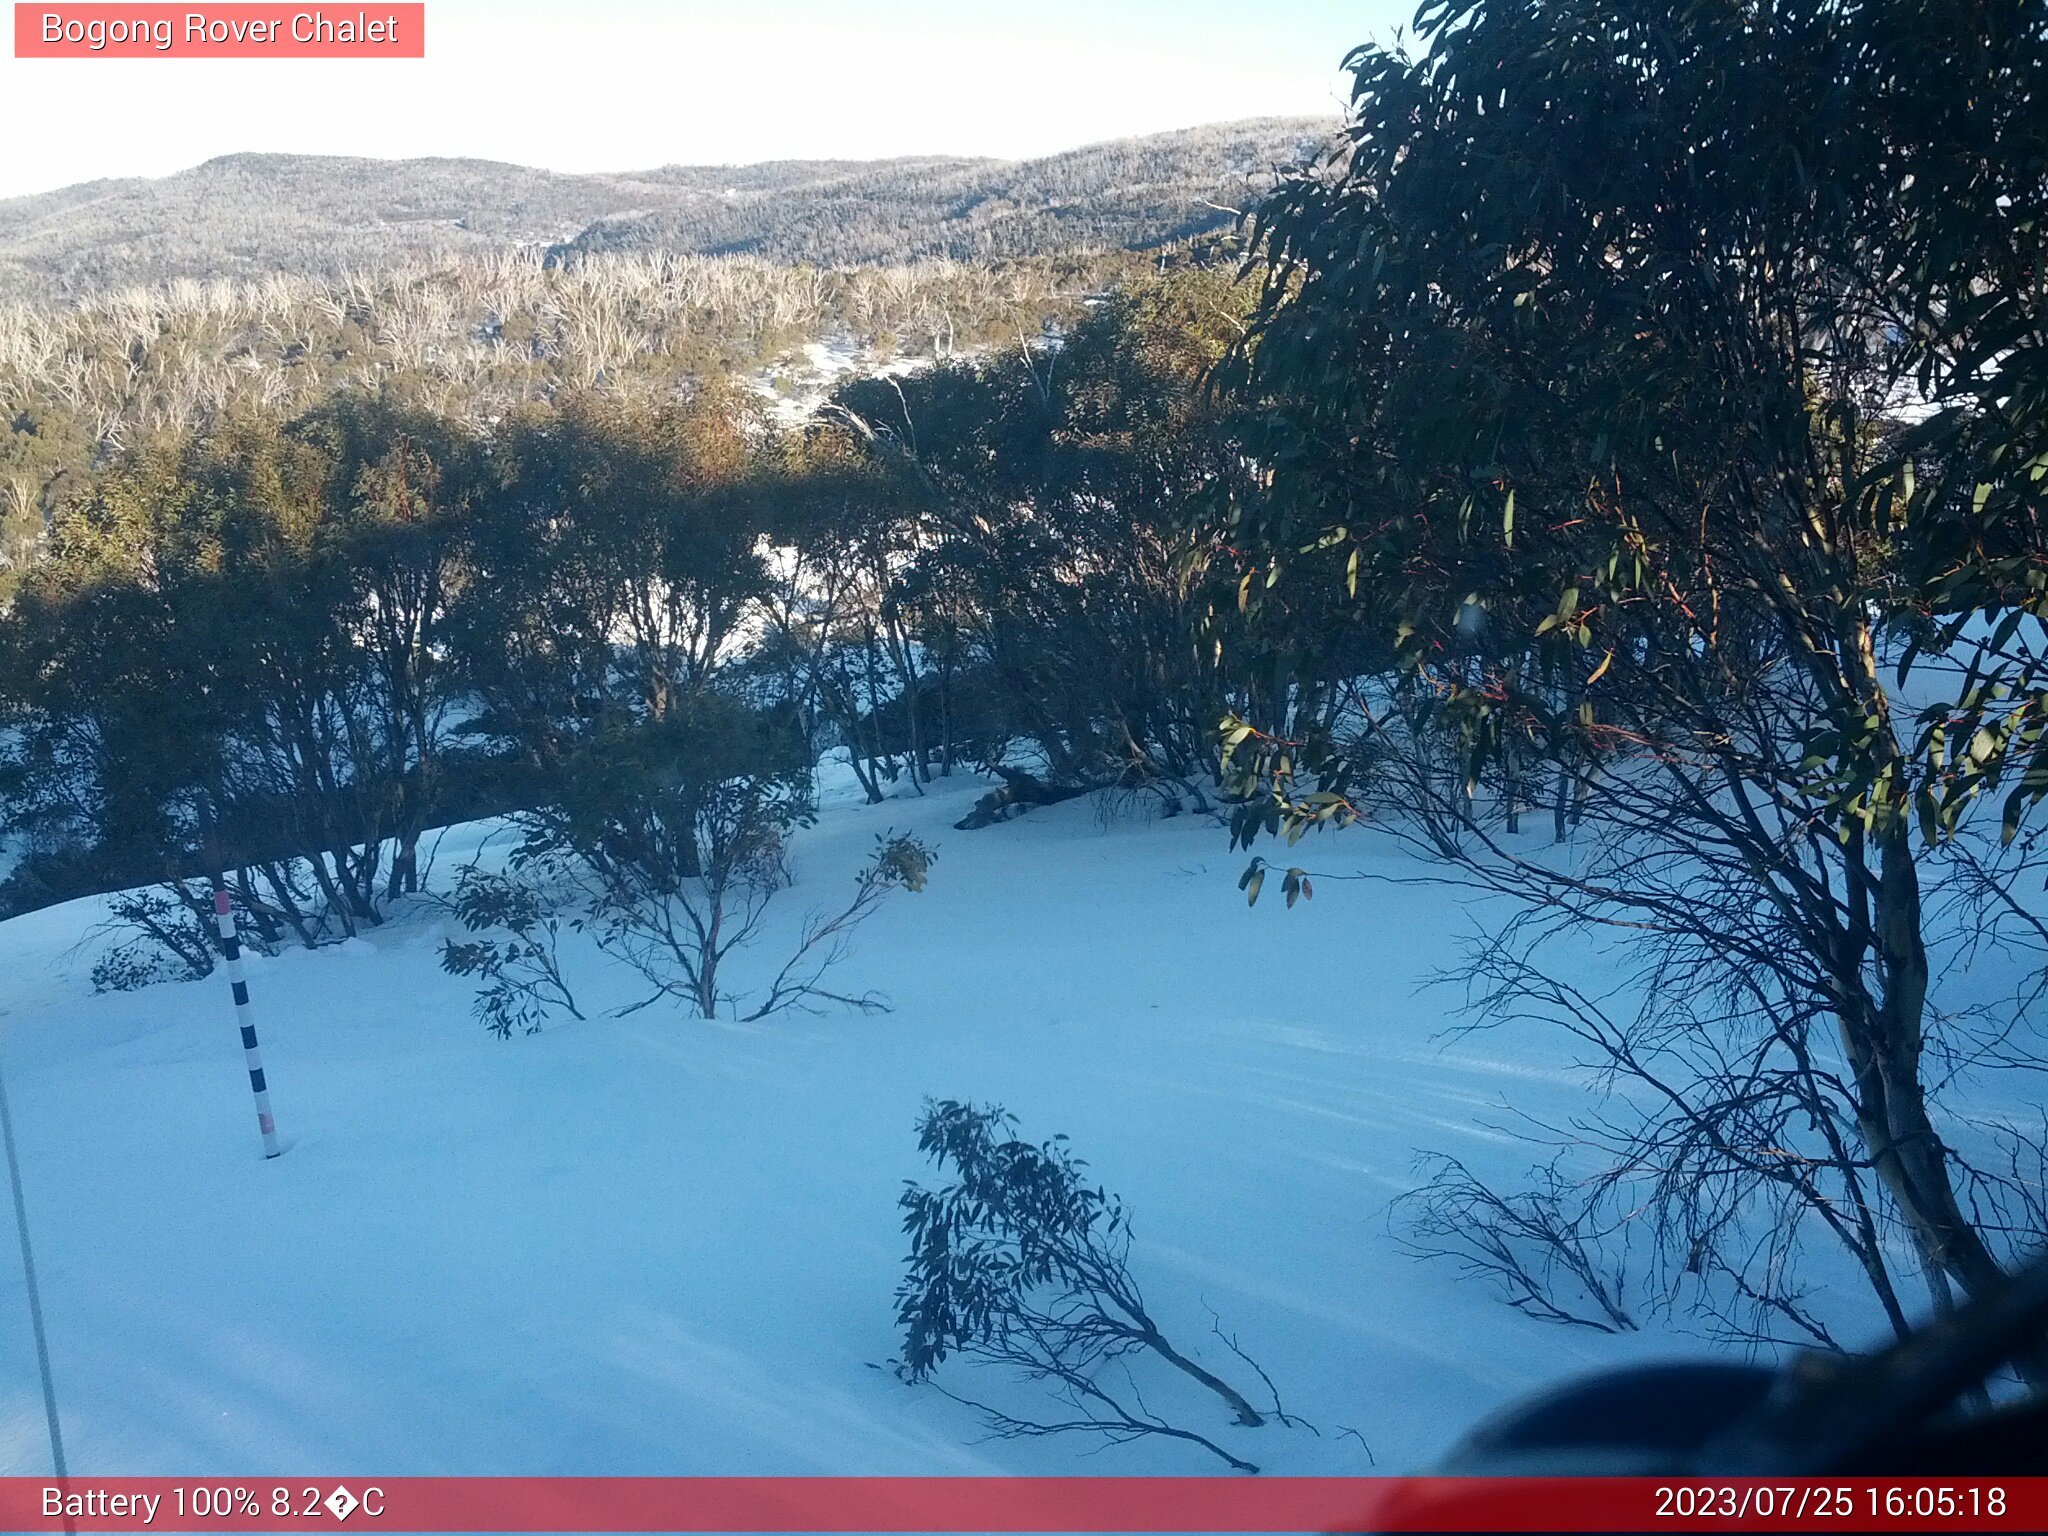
<point>796,385</point>
<point>658,1245</point>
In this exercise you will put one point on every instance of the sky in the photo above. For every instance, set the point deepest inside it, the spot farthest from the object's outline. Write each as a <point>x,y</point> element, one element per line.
<point>590,85</point>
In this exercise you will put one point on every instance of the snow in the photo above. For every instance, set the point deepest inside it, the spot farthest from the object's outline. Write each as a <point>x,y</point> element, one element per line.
<point>658,1245</point>
<point>795,385</point>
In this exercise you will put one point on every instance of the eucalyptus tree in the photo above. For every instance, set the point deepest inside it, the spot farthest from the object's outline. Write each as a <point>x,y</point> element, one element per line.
<point>227,661</point>
<point>616,562</point>
<point>1030,577</point>
<point>1663,384</point>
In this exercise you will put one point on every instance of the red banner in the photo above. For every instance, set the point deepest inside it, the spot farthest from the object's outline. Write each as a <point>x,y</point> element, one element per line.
<point>1081,1504</point>
<point>377,31</point>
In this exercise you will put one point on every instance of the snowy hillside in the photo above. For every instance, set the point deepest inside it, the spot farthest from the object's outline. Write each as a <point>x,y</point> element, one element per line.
<point>656,1245</point>
<point>251,215</point>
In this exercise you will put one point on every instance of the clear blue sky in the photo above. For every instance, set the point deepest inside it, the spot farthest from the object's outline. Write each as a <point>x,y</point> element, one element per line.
<point>580,85</point>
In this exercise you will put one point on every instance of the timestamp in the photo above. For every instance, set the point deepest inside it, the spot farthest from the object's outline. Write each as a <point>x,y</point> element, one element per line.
<point>1824,1501</point>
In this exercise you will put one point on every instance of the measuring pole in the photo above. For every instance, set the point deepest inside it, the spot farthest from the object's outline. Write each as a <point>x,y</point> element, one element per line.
<point>231,946</point>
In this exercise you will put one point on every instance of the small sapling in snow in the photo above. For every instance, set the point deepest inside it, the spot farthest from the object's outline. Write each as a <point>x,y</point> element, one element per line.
<point>1022,1262</point>
<point>522,970</point>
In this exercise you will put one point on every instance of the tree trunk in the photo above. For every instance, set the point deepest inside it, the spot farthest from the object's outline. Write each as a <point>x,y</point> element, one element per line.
<point>1885,1043</point>
<point>1246,1413</point>
<point>1885,1039</point>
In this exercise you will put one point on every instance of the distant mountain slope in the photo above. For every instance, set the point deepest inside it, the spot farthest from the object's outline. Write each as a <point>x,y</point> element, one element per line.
<point>247,215</point>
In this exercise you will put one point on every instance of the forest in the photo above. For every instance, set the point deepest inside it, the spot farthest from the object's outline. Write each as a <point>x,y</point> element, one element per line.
<point>468,339</point>
<point>1616,471</point>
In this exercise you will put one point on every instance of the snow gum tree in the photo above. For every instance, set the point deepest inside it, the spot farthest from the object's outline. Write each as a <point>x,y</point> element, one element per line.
<point>229,653</point>
<point>678,830</point>
<point>1665,385</point>
<point>1011,535</point>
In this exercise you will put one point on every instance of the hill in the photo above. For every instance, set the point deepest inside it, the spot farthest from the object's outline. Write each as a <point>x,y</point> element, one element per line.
<point>249,215</point>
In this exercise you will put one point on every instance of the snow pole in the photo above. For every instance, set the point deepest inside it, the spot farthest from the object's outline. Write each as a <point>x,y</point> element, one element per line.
<point>231,946</point>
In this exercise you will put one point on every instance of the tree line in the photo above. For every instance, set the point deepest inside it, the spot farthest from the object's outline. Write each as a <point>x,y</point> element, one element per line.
<point>471,338</point>
<point>289,645</point>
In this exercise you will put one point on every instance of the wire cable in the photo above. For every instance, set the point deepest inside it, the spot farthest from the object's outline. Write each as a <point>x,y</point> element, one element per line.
<point>35,1299</point>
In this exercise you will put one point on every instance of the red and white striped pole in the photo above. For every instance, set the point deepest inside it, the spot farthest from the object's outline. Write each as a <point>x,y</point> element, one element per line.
<point>231,946</point>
